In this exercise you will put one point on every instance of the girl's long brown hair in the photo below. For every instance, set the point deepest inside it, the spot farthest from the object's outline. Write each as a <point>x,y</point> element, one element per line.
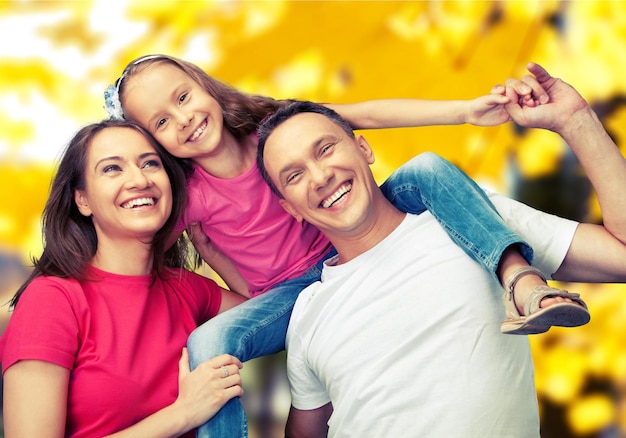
<point>242,112</point>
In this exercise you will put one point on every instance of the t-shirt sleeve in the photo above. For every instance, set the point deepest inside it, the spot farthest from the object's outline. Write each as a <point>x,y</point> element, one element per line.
<point>307,391</point>
<point>550,236</point>
<point>207,294</point>
<point>44,326</point>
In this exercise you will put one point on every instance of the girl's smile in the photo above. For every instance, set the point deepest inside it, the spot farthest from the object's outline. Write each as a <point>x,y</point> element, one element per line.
<point>180,114</point>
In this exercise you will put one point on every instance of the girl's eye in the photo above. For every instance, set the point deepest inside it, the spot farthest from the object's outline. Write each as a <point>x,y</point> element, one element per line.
<point>182,97</point>
<point>161,122</point>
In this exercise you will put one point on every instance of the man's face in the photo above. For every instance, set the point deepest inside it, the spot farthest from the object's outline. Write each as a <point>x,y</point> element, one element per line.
<point>322,172</point>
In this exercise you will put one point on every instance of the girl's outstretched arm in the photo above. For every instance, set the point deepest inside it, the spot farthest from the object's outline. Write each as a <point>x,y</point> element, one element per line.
<point>399,113</point>
<point>485,110</point>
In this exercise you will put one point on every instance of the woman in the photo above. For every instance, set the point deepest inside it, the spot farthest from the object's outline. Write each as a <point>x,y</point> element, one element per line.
<point>99,327</point>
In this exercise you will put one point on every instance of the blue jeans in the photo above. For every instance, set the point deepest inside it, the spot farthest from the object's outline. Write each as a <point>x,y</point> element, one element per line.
<point>258,327</point>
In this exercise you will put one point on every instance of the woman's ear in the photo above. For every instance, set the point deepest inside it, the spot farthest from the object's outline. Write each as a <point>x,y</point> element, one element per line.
<point>81,202</point>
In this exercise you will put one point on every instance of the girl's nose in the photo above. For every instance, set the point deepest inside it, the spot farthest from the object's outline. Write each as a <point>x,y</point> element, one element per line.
<point>183,118</point>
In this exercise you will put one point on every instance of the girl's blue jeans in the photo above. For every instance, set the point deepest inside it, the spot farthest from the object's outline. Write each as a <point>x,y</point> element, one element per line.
<point>258,327</point>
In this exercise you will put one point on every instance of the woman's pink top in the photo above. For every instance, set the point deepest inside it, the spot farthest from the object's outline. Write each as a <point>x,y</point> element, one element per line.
<point>120,336</point>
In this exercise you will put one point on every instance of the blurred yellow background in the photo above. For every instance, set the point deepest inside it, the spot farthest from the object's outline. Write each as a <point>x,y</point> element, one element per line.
<point>57,57</point>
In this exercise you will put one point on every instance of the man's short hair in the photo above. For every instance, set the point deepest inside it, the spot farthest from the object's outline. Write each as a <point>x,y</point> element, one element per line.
<point>283,114</point>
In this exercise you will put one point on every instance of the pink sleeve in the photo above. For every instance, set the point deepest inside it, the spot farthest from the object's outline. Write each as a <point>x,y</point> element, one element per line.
<point>43,327</point>
<point>202,291</point>
<point>208,295</point>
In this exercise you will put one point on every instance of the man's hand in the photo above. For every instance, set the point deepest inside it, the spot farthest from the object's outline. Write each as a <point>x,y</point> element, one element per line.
<point>557,108</point>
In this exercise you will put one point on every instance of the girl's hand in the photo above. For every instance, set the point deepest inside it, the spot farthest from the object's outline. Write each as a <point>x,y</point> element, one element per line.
<point>199,238</point>
<point>491,110</point>
<point>203,391</point>
<point>216,259</point>
<point>488,110</point>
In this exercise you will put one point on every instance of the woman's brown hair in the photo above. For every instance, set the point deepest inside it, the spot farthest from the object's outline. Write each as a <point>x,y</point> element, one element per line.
<point>70,239</point>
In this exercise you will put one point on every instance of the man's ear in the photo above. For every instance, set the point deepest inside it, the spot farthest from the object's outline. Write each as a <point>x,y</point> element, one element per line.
<point>289,209</point>
<point>81,203</point>
<point>366,149</point>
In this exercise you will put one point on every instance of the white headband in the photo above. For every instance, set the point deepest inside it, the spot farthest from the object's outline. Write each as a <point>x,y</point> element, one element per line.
<point>112,103</point>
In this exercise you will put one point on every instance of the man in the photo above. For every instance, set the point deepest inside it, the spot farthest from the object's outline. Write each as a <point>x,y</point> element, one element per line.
<point>401,337</point>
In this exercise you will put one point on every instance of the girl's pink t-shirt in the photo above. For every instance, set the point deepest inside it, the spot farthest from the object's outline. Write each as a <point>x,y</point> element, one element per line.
<point>244,219</point>
<point>120,336</point>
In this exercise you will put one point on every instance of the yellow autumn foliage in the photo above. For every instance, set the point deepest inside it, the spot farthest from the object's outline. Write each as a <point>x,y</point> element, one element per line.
<point>57,57</point>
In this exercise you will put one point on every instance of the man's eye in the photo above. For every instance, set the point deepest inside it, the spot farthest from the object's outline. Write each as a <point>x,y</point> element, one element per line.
<point>292,177</point>
<point>326,148</point>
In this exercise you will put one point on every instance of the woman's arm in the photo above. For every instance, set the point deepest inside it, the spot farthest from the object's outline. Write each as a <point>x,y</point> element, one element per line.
<point>35,399</point>
<point>202,392</point>
<point>230,299</point>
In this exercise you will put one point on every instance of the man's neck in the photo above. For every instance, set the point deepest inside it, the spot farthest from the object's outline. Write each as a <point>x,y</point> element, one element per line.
<point>381,223</point>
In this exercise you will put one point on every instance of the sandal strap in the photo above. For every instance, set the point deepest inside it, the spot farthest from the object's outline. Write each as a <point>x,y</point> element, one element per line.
<point>511,280</point>
<point>509,285</point>
<point>538,293</point>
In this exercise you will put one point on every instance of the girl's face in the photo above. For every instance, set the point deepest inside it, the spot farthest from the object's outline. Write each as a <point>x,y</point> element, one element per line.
<point>180,114</point>
<point>127,191</point>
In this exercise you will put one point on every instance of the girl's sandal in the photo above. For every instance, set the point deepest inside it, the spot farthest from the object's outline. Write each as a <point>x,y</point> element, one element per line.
<point>536,319</point>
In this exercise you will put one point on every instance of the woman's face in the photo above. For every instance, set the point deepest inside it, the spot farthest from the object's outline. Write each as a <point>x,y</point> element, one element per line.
<point>127,191</point>
<point>175,109</point>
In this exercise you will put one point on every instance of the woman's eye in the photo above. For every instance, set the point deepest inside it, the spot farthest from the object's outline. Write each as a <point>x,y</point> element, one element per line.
<point>152,163</point>
<point>111,168</point>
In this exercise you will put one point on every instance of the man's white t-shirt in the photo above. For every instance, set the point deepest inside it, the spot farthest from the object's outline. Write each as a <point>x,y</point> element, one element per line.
<point>405,341</point>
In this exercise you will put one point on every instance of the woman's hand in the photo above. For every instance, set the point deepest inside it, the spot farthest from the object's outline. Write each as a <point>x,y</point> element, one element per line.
<point>203,391</point>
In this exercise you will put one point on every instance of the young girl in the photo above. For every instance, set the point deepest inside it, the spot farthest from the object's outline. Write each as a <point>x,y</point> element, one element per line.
<point>212,128</point>
<point>78,358</point>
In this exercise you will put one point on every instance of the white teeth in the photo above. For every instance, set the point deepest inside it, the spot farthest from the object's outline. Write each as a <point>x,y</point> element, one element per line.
<point>199,131</point>
<point>138,202</point>
<point>328,202</point>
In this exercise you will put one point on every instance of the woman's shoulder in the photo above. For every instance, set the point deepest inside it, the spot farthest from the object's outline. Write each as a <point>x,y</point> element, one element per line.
<point>201,292</point>
<point>53,282</point>
<point>48,289</point>
<point>182,276</point>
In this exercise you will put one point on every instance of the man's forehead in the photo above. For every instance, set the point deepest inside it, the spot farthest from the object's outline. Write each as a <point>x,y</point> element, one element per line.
<point>305,127</point>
